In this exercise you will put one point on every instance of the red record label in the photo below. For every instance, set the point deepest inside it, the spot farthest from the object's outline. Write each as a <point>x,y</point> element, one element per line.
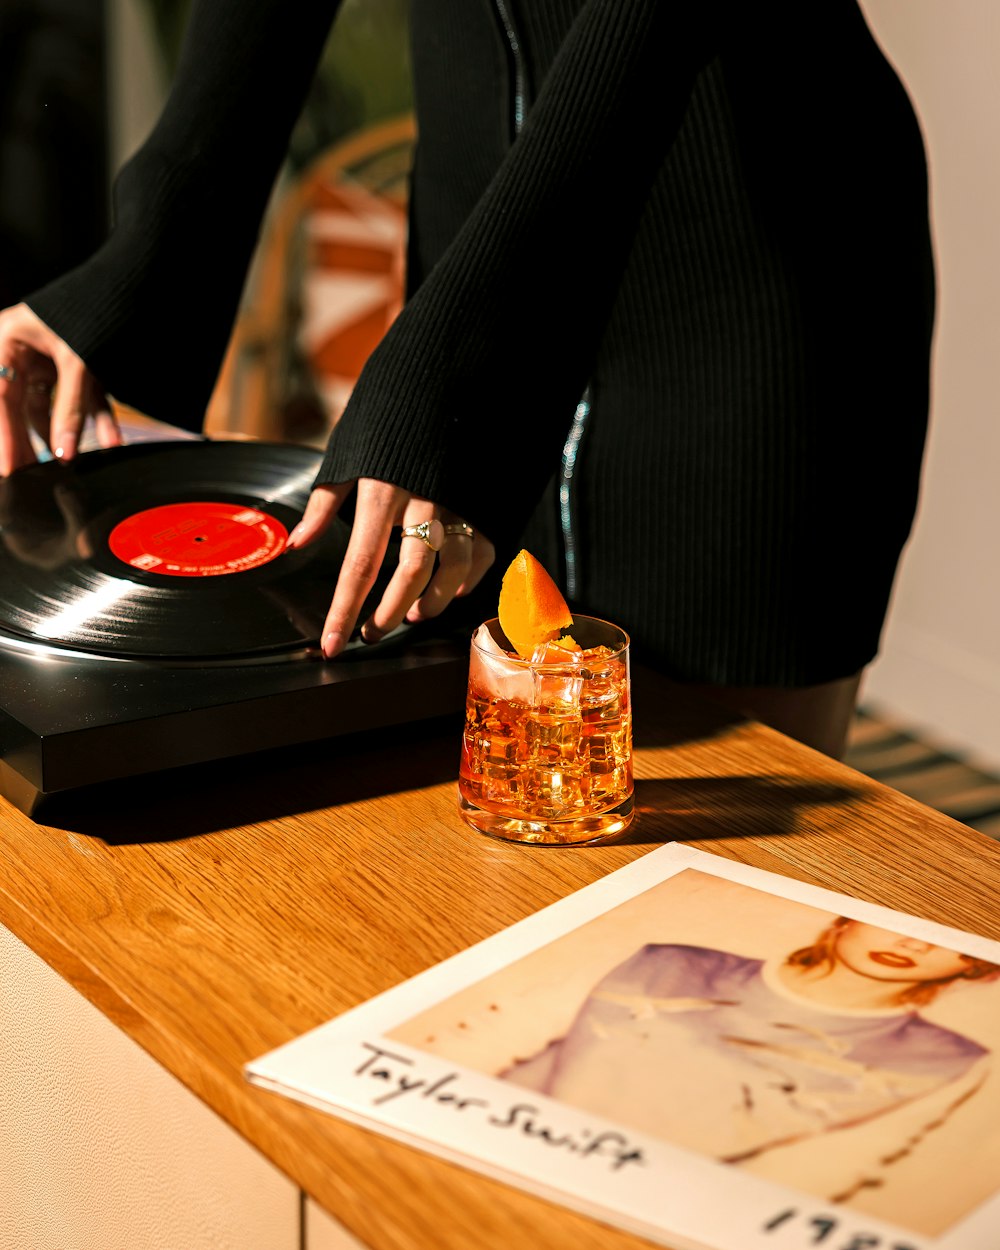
<point>198,539</point>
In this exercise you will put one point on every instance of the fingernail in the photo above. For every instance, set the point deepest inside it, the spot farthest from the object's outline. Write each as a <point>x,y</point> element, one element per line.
<point>332,643</point>
<point>66,449</point>
<point>370,632</point>
<point>294,536</point>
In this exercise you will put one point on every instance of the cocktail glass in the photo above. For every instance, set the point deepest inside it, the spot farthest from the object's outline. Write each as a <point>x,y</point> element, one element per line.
<point>547,744</point>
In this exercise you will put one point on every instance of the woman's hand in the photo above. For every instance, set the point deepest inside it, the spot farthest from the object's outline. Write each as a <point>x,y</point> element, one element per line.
<point>417,590</point>
<point>45,387</point>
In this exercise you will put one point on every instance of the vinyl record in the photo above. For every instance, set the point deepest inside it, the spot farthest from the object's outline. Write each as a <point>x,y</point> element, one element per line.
<point>172,550</point>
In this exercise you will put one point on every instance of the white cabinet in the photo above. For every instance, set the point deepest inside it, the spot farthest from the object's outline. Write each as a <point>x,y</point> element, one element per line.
<point>102,1149</point>
<point>322,1232</point>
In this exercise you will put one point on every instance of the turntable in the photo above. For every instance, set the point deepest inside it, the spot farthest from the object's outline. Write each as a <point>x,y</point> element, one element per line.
<point>151,617</point>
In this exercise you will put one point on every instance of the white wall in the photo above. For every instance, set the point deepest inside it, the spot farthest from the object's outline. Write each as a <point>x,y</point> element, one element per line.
<point>940,663</point>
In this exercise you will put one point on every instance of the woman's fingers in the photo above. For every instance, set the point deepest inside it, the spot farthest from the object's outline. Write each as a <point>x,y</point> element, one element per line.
<point>455,561</point>
<point>422,538</point>
<point>464,558</point>
<point>439,557</point>
<point>45,387</point>
<point>15,441</point>
<point>36,380</point>
<point>377,507</point>
<point>483,556</point>
<point>323,505</point>
<point>105,422</point>
<point>78,398</point>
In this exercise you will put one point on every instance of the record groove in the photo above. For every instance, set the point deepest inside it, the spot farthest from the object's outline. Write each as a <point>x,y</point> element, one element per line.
<point>168,550</point>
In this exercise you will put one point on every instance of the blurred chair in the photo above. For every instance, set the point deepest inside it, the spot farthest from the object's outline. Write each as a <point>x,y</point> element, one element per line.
<point>326,283</point>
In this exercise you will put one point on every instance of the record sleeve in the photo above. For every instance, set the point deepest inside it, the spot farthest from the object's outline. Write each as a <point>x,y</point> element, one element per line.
<point>709,1055</point>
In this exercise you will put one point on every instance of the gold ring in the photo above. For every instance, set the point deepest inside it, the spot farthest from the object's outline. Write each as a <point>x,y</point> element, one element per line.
<point>460,529</point>
<point>430,533</point>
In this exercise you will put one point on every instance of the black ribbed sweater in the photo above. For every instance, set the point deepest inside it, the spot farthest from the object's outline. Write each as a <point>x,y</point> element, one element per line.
<point>713,222</point>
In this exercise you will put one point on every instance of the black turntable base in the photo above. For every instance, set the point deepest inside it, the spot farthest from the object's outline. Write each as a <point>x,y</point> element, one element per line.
<point>151,617</point>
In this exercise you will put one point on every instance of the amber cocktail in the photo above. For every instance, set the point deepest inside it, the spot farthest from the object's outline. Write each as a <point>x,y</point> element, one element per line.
<point>547,748</point>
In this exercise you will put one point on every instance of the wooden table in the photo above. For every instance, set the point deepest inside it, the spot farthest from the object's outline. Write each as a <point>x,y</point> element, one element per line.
<point>215,914</point>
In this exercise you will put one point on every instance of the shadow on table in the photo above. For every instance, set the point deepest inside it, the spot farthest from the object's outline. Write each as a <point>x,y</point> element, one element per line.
<point>205,798</point>
<point>686,809</point>
<point>199,799</point>
<point>247,790</point>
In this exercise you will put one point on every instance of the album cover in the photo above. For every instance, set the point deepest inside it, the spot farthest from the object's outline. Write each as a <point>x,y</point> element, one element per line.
<point>708,1055</point>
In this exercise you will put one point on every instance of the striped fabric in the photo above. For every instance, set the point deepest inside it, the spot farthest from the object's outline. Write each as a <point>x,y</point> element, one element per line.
<point>915,765</point>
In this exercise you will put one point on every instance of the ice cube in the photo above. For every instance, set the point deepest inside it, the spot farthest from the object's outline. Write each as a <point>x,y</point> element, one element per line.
<point>559,680</point>
<point>495,674</point>
<point>558,687</point>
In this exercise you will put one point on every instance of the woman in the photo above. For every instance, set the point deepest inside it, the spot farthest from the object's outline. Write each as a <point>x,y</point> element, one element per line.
<point>668,322</point>
<point>736,1057</point>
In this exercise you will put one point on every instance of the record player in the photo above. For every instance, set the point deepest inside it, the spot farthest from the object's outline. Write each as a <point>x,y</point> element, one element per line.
<point>151,617</point>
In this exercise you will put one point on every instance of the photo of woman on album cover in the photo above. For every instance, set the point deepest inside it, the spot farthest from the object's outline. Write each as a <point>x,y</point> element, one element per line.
<point>812,1049</point>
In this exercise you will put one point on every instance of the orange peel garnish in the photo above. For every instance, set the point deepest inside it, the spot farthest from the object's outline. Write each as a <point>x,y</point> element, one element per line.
<point>532,610</point>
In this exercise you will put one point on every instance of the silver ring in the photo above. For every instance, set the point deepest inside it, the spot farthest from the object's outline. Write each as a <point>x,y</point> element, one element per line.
<point>459,528</point>
<point>430,533</point>
<point>8,372</point>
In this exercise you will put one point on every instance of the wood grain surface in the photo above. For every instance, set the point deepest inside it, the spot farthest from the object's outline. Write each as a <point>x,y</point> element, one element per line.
<point>216,912</point>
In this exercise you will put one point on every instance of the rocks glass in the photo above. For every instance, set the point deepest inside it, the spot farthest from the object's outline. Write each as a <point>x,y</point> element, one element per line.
<point>547,744</point>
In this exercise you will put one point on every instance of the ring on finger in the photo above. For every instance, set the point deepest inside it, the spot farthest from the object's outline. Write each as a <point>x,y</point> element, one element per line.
<point>430,533</point>
<point>459,529</point>
<point>8,372</point>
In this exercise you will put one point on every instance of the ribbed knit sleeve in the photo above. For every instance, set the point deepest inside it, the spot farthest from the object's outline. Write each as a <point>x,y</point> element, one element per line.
<point>151,312</point>
<point>468,398</point>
